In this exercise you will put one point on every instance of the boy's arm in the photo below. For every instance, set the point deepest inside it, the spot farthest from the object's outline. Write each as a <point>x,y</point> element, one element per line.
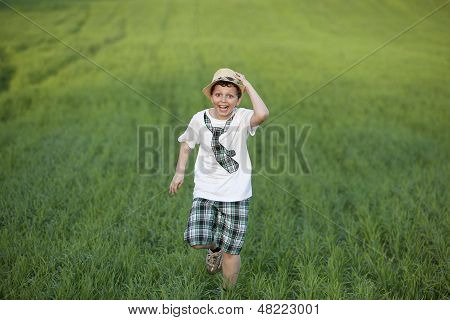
<point>260,111</point>
<point>178,178</point>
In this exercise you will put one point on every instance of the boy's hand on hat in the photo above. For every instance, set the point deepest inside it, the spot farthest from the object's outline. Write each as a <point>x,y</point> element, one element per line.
<point>176,183</point>
<point>241,77</point>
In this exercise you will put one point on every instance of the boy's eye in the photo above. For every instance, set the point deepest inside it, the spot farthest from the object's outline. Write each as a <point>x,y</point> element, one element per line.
<point>229,96</point>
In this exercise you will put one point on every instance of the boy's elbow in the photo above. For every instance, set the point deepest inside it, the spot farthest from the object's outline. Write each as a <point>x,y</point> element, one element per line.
<point>258,119</point>
<point>263,117</point>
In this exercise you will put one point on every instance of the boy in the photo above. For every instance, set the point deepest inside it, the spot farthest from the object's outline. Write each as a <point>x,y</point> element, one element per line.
<point>219,213</point>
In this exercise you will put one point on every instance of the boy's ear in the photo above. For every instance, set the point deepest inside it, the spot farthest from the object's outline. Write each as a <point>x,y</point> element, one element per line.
<point>239,101</point>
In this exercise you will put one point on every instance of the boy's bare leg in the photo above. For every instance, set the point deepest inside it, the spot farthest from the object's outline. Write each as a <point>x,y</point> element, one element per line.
<point>231,264</point>
<point>211,246</point>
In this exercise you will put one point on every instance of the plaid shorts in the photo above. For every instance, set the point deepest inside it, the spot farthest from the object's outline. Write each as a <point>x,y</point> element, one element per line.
<point>224,223</point>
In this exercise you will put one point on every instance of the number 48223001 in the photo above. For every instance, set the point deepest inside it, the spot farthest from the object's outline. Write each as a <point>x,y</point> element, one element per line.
<point>288,308</point>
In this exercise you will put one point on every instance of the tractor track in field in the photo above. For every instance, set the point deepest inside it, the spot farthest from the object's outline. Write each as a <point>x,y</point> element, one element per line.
<point>72,57</point>
<point>54,69</point>
<point>73,28</point>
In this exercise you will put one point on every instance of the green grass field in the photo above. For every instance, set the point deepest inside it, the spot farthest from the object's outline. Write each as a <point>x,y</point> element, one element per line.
<point>78,221</point>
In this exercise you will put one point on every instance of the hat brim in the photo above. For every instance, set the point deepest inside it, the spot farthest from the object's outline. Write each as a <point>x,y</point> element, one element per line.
<point>206,90</point>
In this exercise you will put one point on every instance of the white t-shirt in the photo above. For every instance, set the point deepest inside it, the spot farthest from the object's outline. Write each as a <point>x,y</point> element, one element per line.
<point>212,181</point>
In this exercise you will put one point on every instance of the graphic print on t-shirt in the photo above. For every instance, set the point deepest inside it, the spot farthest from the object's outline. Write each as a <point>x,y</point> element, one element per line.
<point>222,155</point>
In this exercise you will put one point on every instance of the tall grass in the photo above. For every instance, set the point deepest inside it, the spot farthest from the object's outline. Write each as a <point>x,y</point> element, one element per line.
<point>78,221</point>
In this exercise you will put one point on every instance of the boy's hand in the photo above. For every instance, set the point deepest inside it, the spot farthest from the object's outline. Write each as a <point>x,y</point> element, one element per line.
<point>176,183</point>
<point>241,77</point>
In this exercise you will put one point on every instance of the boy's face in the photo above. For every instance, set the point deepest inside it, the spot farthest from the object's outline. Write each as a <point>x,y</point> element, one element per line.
<point>224,99</point>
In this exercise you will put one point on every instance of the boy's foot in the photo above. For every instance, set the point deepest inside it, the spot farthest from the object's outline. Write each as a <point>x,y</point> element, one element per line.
<point>214,261</point>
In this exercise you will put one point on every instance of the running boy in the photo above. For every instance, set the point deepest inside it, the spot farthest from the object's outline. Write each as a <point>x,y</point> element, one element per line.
<point>219,214</point>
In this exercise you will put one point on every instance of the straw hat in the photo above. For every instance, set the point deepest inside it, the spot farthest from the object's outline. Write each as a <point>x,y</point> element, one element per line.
<point>223,74</point>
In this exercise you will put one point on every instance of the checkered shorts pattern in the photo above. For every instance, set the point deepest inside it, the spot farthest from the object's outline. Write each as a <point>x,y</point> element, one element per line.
<point>222,155</point>
<point>224,223</point>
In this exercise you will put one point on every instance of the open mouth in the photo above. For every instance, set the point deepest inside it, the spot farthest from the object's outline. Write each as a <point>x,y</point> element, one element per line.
<point>223,108</point>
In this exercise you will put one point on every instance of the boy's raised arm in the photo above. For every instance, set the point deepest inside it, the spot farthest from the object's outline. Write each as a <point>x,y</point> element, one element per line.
<point>178,178</point>
<point>260,111</point>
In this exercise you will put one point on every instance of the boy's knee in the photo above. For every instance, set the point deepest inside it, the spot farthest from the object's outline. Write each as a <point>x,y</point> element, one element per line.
<point>230,256</point>
<point>201,246</point>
